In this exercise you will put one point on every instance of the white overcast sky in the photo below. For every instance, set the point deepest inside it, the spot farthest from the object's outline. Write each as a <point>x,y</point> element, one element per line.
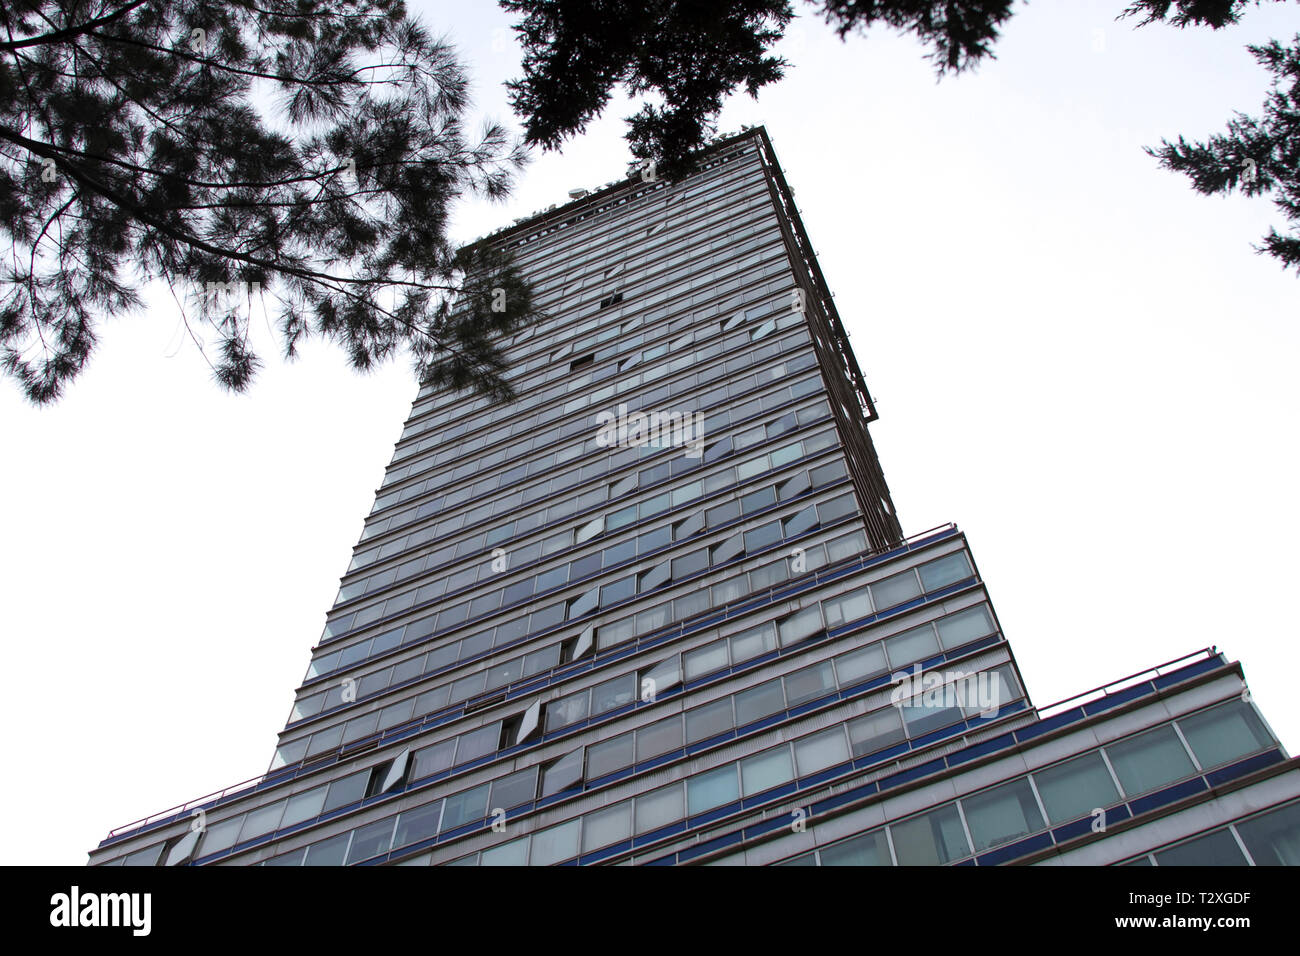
<point>1076,359</point>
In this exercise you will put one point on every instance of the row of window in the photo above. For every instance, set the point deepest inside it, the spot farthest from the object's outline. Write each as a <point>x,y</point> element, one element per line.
<point>540,388</point>
<point>672,568</point>
<point>560,486</point>
<point>813,556</point>
<point>677,568</point>
<point>553,440</point>
<point>526,431</point>
<point>1271,838</point>
<point>723,192</point>
<point>868,734</point>
<point>914,644</point>
<point>1062,793</point>
<point>743,471</point>
<point>613,826</point>
<point>700,793</point>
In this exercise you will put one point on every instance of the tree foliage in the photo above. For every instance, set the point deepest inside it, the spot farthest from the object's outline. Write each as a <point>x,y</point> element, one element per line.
<point>690,56</point>
<point>298,154</point>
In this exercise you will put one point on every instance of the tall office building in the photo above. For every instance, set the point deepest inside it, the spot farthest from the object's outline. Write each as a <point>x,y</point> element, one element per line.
<point>660,610</point>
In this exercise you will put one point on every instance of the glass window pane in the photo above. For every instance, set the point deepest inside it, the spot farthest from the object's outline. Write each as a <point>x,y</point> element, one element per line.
<point>613,694</point>
<point>1002,814</point>
<point>705,660</point>
<point>433,759</point>
<point>1149,761</point>
<point>947,570</point>
<point>478,743</point>
<point>708,721</point>
<point>1216,848</point>
<point>931,839</point>
<point>371,840</point>
<point>857,666</point>
<point>513,790</point>
<point>658,808</point>
<point>347,790</point>
<point>750,644</point>
<point>714,788</point>
<point>418,824</point>
<point>1273,838</point>
<point>1226,733</point>
<point>875,731</point>
<point>659,738</point>
<point>609,755</point>
<point>895,590</point>
<point>328,852</point>
<point>913,645</point>
<point>809,683</point>
<point>796,627</point>
<point>766,770</point>
<point>965,626</point>
<point>608,826</point>
<point>822,750</point>
<point>304,806</point>
<point>758,702</point>
<point>555,844</point>
<point>566,710</point>
<point>563,774</point>
<point>514,853</point>
<point>1075,788</point>
<point>468,806</point>
<point>869,849</point>
<point>848,607</point>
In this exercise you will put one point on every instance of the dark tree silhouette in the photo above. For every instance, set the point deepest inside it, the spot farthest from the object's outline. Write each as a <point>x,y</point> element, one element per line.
<point>300,154</point>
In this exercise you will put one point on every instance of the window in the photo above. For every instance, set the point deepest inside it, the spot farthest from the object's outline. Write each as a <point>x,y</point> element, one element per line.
<point>563,774</point>
<point>869,849</point>
<point>758,702</point>
<point>965,626</point>
<point>931,839</point>
<point>1002,814</point>
<point>566,710</point>
<point>848,607</point>
<point>605,827</point>
<point>1226,733</point>
<point>860,664</point>
<point>708,721</point>
<point>1273,838</point>
<point>658,808</point>
<point>1216,848</point>
<point>819,751</point>
<point>876,731</point>
<point>613,694</point>
<point>895,590</point>
<point>705,660</point>
<point>659,738</point>
<point>766,770</point>
<point>418,824</point>
<point>1150,760</point>
<point>712,789</point>
<point>513,790</point>
<point>371,840</point>
<point>555,844</point>
<point>1075,788</point>
<point>609,755</point>
<point>945,571</point>
<point>912,645</point>
<point>800,626</point>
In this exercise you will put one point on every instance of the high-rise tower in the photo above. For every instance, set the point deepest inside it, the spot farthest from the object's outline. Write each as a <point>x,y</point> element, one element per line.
<point>660,610</point>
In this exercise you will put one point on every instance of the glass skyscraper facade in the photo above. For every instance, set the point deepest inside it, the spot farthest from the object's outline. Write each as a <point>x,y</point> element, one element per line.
<point>660,610</point>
